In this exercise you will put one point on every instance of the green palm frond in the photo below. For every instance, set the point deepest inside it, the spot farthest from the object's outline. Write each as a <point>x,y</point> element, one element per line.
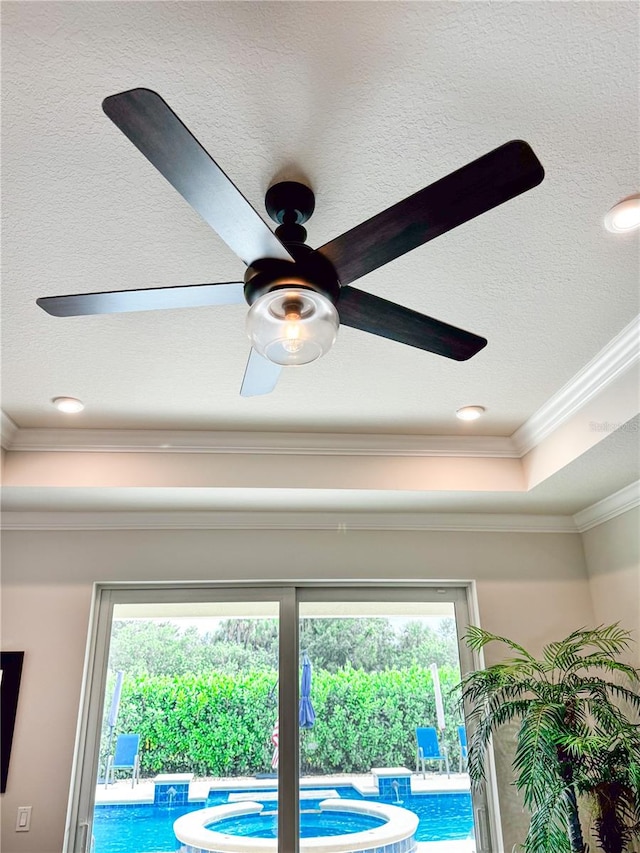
<point>580,746</point>
<point>477,638</point>
<point>584,683</point>
<point>599,660</point>
<point>554,654</point>
<point>634,776</point>
<point>611,718</point>
<point>536,757</point>
<point>609,638</point>
<point>548,827</point>
<point>491,685</point>
<point>499,715</point>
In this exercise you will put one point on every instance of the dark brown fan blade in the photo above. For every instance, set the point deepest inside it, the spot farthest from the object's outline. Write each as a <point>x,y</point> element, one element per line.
<point>158,133</point>
<point>489,181</point>
<point>151,299</point>
<point>260,376</point>
<point>380,317</point>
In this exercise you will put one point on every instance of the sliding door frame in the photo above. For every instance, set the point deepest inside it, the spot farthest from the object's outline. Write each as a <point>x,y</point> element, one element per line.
<point>288,595</point>
<point>462,595</point>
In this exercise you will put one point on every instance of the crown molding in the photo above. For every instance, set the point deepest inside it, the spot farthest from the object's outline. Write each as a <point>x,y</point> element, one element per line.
<point>615,358</point>
<point>263,443</point>
<point>598,513</point>
<point>8,430</point>
<point>340,523</point>
<point>621,353</point>
<point>608,508</point>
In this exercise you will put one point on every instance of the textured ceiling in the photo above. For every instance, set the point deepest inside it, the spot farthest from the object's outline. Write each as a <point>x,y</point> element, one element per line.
<point>368,102</point>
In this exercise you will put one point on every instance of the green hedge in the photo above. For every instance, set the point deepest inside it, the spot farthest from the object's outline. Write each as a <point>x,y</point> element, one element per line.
<point>220,725</point>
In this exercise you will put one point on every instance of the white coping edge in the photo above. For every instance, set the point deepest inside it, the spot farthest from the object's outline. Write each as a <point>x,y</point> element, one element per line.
<point>401,823</point>
<point>191,828</point>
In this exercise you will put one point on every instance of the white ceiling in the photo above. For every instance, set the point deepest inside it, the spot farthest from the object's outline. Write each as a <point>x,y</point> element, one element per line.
<point>368,102</point>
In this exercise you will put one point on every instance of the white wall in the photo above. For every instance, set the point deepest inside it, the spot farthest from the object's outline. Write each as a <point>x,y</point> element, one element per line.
<point>531,587</point>
<point>612,554</point>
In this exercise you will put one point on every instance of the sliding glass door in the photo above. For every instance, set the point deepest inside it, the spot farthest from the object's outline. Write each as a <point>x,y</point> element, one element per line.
<point>275,718</point>
<point>382,738</point>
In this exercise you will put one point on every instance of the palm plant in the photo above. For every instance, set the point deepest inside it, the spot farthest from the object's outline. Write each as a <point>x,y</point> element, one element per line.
<point>567,704</point>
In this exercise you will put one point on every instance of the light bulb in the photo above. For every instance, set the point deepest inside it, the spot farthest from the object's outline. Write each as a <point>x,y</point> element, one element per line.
<point>624,216</point>
<point>70,405</point>
<point>470,413</point>
<point>292,325</point>
<point>292,342</point>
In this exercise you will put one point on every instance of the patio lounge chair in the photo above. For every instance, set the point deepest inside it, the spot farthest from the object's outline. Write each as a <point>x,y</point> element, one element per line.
<point>462,737</point>
<point>428,749</point>
<point>126,758</point>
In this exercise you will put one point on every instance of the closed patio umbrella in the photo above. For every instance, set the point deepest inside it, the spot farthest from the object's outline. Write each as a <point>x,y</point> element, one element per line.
<point>115,700</point>
<point>112,719</point>
<point>306,716</point>
<point>438,696</point>
<point>439,711</point>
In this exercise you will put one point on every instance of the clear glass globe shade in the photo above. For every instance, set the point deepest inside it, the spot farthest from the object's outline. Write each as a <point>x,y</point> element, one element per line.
<point>292,325</point>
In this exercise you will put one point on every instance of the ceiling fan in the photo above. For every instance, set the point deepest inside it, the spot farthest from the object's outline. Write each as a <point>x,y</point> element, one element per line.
<point>297,295</point>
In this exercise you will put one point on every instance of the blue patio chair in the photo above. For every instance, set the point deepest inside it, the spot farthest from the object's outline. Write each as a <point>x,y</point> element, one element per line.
<point>462,737</point>
<point>428,749</point>
<point>126,757</point>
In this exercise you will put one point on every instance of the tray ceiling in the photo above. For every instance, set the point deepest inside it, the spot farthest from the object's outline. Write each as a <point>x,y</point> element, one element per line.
<point>367,102</point>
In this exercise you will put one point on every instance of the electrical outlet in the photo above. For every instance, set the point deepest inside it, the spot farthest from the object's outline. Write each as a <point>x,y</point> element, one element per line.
<point>23,820</point>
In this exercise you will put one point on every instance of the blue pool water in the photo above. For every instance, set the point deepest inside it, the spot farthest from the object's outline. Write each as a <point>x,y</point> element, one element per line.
<point>312,824</point>
<point>137,829</point>
<point>149,829</point>
<point>443,817</point>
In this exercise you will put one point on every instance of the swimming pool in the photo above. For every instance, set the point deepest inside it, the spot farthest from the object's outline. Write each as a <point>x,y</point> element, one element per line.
<point>149,829</point>
<point>443,816</point>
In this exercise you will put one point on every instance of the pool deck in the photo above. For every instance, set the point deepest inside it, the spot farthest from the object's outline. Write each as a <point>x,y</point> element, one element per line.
<point>122,792</point>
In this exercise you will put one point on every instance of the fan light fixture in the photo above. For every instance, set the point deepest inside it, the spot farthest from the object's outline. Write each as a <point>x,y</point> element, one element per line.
<point>70,405</point>
<point>624,216</point>
<point>470,413</point>
<point>292,326</point>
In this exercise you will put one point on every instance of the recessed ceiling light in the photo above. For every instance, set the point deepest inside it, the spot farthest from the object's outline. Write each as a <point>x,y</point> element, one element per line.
<point>470,413</point>
<point>68,404</point>
<point>624,216</point>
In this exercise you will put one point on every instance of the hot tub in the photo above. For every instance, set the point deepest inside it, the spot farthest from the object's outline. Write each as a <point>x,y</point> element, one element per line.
<point>392,829</point>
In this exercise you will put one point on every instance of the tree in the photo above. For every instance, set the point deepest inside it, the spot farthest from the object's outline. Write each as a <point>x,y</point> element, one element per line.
<point>250,633</point>
<point>141,647</point>
<point>570,723</point>
<point>420,645</point>
<point>363,643</point>
<point>373,644</point>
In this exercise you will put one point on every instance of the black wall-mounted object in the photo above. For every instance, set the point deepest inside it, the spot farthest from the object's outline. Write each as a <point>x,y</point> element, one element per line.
<point>11,668</point>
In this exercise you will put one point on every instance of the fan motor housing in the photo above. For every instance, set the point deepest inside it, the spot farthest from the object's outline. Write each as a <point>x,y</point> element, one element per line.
<point>309,270</point>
